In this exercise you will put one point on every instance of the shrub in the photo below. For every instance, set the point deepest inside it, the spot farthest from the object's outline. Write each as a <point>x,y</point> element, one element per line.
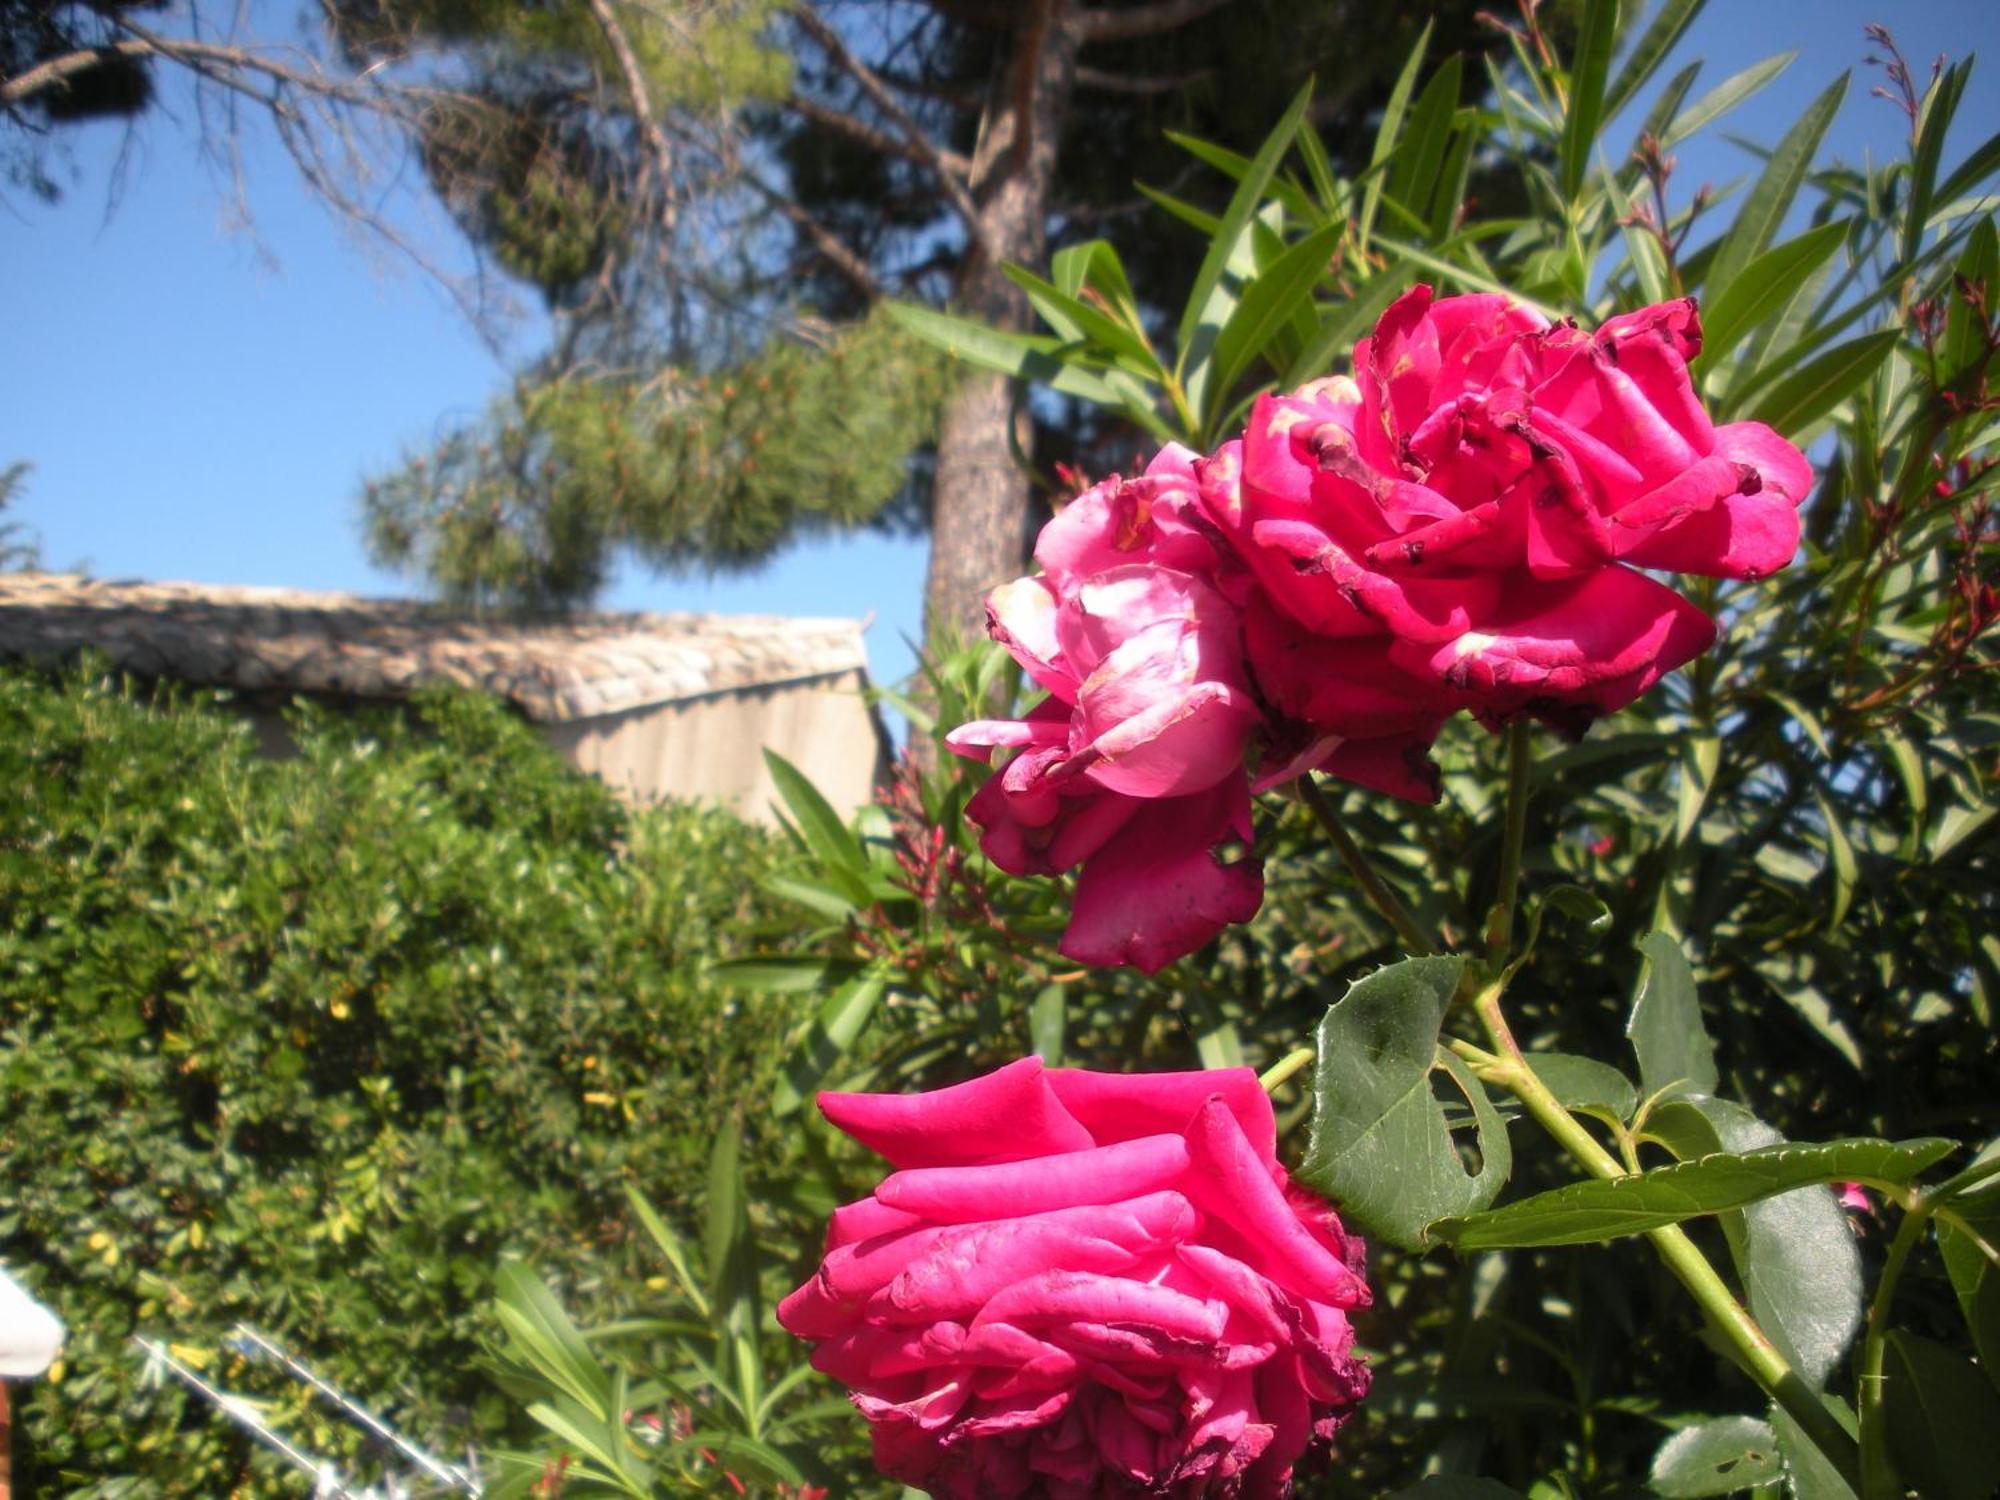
<point>311,1043</point>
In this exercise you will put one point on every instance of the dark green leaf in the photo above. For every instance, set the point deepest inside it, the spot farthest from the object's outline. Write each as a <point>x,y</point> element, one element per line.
<point>1341,327</point>
<point>1381,1146</point>
<point>831,842</point>
<point>1975,169</point>
<point>1763,287</point>
<point>1963,346</point>
<point>833,1031</point>
<point>1667,1035</point>
<point>1770,199</point>
<point>1942,1419</point>
<point>1933,123</point>
<point>1721,1456</point>
<point>1724,97</point>
<point>1668,23</point>
<point>1456,1487</point>
<point>773,973</point>
<point>1794,1253</point>
<point>1389,133</point>
<point>1606,1209</point>
<point>1808,1472</point>
<point>1413,171</point>
<point>1588,70</point>
<point>725,1222</point>
<point>1243,204</point>
<point>1822,383</point>
<point>1969,1237</point>
<point>1585,1083</point>
<point>1266,306</point>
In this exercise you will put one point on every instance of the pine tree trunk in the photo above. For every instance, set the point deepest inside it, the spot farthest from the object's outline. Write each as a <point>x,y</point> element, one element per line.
<point>980,530</point>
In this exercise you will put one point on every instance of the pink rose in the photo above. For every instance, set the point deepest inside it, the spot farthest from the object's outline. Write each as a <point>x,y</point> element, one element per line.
<point>1083,1284</point>
<point>1133,766</point>
<point>1480,495</point>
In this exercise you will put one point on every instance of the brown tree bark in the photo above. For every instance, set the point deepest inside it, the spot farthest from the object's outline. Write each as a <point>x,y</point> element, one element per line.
<point>980,518</point>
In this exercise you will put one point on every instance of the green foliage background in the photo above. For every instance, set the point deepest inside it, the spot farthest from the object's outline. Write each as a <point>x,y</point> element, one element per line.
<point>311,1043</point>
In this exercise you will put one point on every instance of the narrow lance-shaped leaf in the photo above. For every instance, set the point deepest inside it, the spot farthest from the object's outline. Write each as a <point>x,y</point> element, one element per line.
<point>1267,305</point>
<point>1810,392</point>
<point>1669,22</point>
<point>1969,1236</point>
<point>1242,205</point>
<point>1387,135</point>
<point>834,1030</point>
<point>1602,1209</point>
<point>1413,171</point>
<point>1763,287</point>
<point>1940,105</point>
<point>1770,199</point>
<point>1598,35</point>
<point>1724,97</point>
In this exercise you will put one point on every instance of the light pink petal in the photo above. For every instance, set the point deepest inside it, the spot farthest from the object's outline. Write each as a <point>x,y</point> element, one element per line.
<point>1006,1115</point>
<point>1022,617</point>
<point>980,738</point>
<point>1172,878</point>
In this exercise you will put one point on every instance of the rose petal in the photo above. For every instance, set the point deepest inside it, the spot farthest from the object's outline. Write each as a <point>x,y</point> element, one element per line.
<point>1124,1106</point>
<point>962,1195</point>
<point>1159,888</point>
<point>1007,1115</point>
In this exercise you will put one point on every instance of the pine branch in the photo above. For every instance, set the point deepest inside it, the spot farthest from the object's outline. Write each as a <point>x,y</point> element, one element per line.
<point>638,97</point>
<point>1142,20</point>
<point>1124,83</point>
<point>947,172</point>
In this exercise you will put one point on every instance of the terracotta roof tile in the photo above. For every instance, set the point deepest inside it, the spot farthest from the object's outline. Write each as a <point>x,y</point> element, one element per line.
<point>553,670</point>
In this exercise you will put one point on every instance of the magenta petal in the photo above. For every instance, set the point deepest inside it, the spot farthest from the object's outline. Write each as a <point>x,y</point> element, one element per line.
<point>961,1195</point>
<point>1584,648</point>
<point>1063,1296</point>
<point>1007,1115</point>
<point>1160,888</point>
<point>1230,1180</point>
<point>1121,1106</point>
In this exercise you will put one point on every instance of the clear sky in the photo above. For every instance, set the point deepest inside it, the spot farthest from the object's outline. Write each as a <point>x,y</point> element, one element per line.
<point>202,405</point>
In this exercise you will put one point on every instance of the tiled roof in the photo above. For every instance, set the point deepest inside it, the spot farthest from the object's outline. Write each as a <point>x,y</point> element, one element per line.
<point>553,670</point>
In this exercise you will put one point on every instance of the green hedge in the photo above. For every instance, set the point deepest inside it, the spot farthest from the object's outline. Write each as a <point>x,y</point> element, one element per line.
<point>313,1042</point>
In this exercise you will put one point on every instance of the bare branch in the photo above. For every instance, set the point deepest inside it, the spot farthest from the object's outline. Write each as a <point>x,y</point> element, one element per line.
<point>845,124</point>
<point>832,248</point>
<point>1123,83</point>
<point>1142,20</point>
<point>991,16</point>
<point>642,105</point>
<point>949,178</point>
<point>54,70</point>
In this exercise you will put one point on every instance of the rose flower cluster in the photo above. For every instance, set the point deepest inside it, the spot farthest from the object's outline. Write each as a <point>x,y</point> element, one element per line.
<point>1081,1285</point>
<point>1460,525</point>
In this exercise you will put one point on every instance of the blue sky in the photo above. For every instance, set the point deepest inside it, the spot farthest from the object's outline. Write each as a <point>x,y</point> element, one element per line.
<point>203,404</point>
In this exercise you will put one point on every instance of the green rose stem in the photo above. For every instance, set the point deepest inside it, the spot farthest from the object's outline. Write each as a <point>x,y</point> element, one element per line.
<point>1386,901</point>
<point>1507,1067</point>
<point>1878,1474</point>
<point>1500,925</point>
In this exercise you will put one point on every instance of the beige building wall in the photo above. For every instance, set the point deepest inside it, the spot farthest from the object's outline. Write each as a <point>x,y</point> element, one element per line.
<point>710,748</point>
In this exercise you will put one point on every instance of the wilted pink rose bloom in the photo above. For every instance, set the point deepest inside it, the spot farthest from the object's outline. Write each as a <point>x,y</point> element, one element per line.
<point>1133,766</point>
<point>1483,491</point>
<point>1080,1285</point>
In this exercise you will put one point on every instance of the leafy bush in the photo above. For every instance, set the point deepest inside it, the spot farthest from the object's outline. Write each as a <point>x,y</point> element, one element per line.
<point>311,1043</point>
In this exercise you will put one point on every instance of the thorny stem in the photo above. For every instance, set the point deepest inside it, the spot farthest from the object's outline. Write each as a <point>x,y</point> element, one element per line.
<point>1749,1342</point>
<point>1878,1475</point>
<point>1386,901</point>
